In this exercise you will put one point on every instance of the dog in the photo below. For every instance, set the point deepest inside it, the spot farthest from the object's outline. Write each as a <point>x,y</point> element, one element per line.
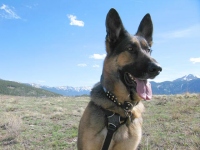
<point>116,100</point>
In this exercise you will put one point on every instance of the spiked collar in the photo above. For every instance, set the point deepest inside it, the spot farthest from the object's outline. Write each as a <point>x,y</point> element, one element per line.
<point>126,106</point>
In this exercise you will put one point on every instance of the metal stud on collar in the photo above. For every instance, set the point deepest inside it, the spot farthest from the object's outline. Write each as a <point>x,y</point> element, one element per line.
<point>127,105</point>
<point>112,97</point>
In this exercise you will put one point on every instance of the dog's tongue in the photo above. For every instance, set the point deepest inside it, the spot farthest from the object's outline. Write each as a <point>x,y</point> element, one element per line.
<point>144,89</point>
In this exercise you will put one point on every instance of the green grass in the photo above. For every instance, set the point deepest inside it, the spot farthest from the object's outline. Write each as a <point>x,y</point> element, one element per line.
<point>29,123</point>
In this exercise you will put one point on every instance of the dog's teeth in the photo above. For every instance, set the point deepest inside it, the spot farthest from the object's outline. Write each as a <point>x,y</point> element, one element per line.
<point>131,77</point>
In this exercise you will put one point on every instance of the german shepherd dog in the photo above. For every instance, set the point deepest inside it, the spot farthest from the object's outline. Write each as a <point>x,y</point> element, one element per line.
<point>127,66</point>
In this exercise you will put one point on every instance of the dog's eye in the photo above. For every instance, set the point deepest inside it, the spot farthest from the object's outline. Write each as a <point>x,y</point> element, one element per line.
<point>130,48</point>
<point>149,50</point>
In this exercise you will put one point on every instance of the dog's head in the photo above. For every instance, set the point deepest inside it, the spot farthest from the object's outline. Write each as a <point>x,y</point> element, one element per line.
<point>129,57</point>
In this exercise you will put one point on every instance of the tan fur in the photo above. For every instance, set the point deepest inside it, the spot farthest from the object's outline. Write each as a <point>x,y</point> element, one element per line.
<point>124,58</point>
<point>122,50</point>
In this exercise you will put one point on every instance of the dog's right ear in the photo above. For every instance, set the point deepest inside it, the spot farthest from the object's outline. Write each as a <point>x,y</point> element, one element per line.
<point>113,25</point>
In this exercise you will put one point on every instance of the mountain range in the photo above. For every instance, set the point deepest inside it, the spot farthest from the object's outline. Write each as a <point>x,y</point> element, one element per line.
<point>65,90</point>
<point>188,83</point>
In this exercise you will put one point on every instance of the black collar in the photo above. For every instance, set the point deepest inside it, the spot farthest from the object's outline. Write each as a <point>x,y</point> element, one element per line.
<point>126,106</point>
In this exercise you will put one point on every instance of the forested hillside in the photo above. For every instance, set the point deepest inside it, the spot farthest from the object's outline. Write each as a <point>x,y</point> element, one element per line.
<point>19,89</point>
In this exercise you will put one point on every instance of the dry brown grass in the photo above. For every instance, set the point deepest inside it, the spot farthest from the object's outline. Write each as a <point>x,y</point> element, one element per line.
<point>12,126</point>
<point>172,122</point>
<point>28,123</point>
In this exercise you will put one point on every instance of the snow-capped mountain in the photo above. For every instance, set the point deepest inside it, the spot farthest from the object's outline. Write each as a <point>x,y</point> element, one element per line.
<point>78,89</point>
<point>65,90</point>
<point>188,77</point>
<point>188,83</point>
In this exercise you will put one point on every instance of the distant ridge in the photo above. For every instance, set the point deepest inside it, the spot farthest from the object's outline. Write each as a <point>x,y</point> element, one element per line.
<point>20,89</point>
<point>188,77</point>
<point>188,83</point>
<point>66,90</point>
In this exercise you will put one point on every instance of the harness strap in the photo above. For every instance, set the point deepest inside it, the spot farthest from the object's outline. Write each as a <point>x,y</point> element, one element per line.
<point>108,138</point>
<point>114,121</point>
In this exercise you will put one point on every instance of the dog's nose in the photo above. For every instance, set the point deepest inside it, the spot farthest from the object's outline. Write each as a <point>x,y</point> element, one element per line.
<point>154,68</point>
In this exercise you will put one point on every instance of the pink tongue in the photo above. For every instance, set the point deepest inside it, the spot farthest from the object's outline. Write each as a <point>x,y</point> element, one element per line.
<point>144,89</point>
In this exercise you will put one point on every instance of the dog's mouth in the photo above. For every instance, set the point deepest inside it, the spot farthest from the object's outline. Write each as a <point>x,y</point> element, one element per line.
<point>143,87</point>
<point>129,79</point>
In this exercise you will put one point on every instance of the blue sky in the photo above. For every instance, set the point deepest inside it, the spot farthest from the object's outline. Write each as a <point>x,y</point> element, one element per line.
<point>62,42</point>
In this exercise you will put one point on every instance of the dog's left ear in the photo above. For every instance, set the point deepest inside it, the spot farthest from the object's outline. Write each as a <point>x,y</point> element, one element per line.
<point>145,29</point>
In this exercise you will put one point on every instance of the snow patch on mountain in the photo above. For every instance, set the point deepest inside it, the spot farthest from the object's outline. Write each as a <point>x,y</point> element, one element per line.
<point>188,77</point>
<point>65,90</point>
<point>83,88</point>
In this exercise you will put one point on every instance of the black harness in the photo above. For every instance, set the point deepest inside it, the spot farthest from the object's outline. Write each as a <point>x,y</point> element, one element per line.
<point>114,120</point>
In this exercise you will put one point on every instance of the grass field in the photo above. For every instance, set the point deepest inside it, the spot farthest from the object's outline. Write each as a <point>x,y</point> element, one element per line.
<point>28,123</point>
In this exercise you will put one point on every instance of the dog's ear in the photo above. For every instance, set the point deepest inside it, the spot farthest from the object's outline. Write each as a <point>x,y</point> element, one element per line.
<point>113,25</point>
<point>145,29</point>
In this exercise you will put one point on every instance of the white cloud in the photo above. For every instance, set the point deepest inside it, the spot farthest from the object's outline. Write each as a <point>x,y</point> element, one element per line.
<point>82,65</point>
<point>74,21</point>
<point>95,66</point>
<point>195,60</point>
<point>192,31</point>
<point>8,12</point>
<point>98,56</point>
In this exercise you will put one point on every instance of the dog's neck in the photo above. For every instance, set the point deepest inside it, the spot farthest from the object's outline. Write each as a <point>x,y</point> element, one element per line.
<point>117,88</point>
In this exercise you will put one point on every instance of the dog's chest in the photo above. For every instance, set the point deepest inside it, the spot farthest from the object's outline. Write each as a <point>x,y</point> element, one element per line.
<point>125,131</point>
